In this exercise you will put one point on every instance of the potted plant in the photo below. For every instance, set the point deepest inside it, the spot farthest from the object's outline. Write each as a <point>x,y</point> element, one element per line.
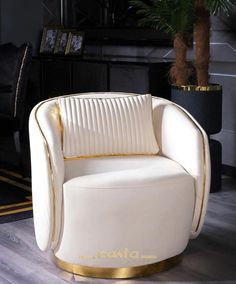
<point>174,18</point>
<point>203,100</point>
<point>181,19</point>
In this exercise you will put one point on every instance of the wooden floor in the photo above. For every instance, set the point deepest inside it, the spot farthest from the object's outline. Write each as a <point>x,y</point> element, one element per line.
<point>211,258</point>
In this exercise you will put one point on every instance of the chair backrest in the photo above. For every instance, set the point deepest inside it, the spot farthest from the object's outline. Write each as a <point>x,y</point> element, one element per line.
<point>14,72</point>
<point>107,126</point>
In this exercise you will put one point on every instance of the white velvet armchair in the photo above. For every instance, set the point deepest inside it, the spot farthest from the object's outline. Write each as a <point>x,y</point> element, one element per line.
<point>119,203</point>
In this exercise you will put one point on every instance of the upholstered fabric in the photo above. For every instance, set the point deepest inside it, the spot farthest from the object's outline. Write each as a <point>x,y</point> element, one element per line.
<point>111,126</point>
<point>150,204</point>
<point>47,173</point>
<point>142,166</point>
<point>183,140</point>
<point>140,207</point>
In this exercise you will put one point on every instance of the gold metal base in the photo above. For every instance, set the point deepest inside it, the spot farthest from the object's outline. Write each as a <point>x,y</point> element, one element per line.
<point>121,272</point>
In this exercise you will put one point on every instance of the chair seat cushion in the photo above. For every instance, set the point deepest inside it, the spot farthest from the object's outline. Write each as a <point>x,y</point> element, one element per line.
<point>127,171</point>
<point>125,202</point>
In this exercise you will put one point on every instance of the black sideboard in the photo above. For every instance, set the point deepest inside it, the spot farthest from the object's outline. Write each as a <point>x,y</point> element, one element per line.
<point>53,75</point>
<point>62,75</point>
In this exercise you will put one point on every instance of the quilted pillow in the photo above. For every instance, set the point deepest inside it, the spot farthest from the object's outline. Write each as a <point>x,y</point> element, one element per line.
<point>107,126</point>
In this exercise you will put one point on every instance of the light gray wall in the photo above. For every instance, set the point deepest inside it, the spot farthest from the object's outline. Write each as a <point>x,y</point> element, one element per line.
<point>223,71</point>
<point>21,21</point>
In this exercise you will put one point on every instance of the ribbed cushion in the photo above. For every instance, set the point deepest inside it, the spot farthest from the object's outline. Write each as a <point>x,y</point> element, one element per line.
<point>107,126</point>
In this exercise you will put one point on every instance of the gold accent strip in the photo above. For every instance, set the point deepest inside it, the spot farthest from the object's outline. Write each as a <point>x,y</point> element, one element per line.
<point>15,205</point>
<point>198,88</point>
<point>104,156</point>
<point>16,211</point>
<point>15,174</point>
<point>29,197</point>
<point>120,272</point>
<point>7,180</point>
<point>19,79</point>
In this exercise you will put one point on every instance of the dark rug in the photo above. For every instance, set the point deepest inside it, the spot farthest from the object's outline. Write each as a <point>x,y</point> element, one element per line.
<point>15,197</point>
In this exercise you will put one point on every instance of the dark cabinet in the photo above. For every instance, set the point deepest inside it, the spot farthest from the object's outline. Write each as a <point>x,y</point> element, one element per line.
<point>159,81</point>
<point>56,78</point>
<point>33,86</point>
<point>129,78</point>
<point>33,94</point>
<point>61,75</point>
<point>90,77</point>
<point>52,76</point>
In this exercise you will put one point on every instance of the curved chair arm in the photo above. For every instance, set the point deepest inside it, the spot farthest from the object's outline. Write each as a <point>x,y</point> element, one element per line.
<point>46,160</point>
<point>182,139</point>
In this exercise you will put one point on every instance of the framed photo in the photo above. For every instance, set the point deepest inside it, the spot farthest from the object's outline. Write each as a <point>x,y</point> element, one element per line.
<point>49,38</point>
<point>75,43</point>
<point>61,42</point>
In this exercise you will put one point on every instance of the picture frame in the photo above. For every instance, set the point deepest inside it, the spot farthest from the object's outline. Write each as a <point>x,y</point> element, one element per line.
<point>49,38</point>
<point>61,42</point>
<point>75,43</point>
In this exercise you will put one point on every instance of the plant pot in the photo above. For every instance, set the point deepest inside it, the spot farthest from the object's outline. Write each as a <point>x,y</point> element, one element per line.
<point>204,103</point>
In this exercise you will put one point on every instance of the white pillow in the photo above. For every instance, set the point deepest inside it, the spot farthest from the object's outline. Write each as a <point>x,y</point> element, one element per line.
<point>107,126</point>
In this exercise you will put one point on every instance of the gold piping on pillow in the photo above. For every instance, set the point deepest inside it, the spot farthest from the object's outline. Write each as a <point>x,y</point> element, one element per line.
<point>105,156</point>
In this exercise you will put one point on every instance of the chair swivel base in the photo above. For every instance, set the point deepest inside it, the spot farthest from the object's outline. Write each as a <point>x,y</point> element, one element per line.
<point>120,272</point>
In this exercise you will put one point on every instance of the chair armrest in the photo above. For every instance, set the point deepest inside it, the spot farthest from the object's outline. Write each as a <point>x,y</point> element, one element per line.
<point>183,140</point>
<point>47,169</point>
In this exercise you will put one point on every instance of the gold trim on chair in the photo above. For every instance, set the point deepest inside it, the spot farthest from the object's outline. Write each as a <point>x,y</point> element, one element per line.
<point>204,161</point>
<point>50,167</point>
<point>188,115</point>
<point>118,272</point>
<point>73,158</point>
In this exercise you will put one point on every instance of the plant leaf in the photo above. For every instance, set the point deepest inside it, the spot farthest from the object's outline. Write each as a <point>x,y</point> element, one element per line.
<point>215,6</point>
<point>172,16</point>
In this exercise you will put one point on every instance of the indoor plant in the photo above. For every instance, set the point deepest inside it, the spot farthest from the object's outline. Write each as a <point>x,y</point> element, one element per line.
<point>203,100</point>
<point>182,18</point>
<point>176,19</point>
